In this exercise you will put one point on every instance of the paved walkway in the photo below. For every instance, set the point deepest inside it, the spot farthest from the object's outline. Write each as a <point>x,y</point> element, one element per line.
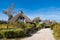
<point>43,34</point>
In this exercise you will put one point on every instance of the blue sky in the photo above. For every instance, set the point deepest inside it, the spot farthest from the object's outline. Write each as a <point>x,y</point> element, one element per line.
<point>45,9</point>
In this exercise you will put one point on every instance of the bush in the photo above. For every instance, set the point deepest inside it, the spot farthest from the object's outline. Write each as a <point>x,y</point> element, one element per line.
<point>18,29</point>
<point>28,28</point>
<point>38,26</point>
<point>12,33</point>
<point>1,35</point>
<point>43,25</point>
<point>52,25</point>
<point>56,31</point>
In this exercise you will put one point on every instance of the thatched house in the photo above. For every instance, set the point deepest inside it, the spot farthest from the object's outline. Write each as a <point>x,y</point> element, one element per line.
<point>20,17</point>
<point>53,22</point>
<point>47,23</point>
<point>37,19</point>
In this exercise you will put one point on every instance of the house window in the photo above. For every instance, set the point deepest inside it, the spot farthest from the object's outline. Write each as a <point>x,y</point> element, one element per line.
<point>21,19</point>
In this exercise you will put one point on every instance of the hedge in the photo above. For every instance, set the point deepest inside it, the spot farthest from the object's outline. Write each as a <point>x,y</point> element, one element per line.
<point>12,33</point>
<point>17,29</point>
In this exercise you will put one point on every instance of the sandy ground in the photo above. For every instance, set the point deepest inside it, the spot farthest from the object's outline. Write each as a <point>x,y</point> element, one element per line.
<point>43,34</point>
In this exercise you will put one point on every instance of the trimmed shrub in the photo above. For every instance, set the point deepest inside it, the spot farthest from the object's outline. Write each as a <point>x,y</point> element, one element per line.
<point>12,33</point>
<point>20,33</point>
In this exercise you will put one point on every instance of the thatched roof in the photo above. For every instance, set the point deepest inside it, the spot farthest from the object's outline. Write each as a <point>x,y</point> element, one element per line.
<point>37,19</point>
<point>47,22</point>
<point>53,22</point>
<point>14,19</point>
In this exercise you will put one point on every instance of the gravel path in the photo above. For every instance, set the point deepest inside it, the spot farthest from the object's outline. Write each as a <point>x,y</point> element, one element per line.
<point>43,34</point>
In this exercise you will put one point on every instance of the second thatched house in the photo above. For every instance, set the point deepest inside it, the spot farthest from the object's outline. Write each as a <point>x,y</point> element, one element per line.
<point>20,17</point>
<point>37,19</point>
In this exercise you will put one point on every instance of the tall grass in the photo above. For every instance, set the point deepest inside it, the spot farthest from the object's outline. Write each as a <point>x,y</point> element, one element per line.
<point>56,31</point>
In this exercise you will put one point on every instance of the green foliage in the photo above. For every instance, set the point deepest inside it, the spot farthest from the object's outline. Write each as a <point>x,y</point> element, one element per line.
<point>43,25</point>
<point>12,25</point>
<point>52,26</point>
<point>29,26</point>
<point>56,30</point>
<point>12,33</point>
<point>38,26</point>
<point>17,29</point>
<point>21,24</point>
<point>1,34</point>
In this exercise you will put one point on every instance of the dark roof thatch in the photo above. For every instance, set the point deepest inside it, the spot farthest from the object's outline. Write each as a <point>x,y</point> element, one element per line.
<point>14,19</point>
